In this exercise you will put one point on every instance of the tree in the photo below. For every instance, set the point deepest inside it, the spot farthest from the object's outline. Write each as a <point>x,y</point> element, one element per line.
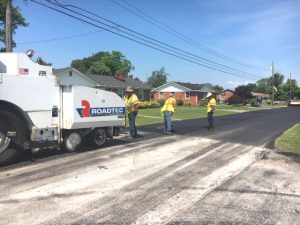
<point>291,88</point>
<point>218,88</point>
<point>104,63</point>
<point>251,86</point>
<point>17,20</point>
<point>244,92</point>
<point>263,86</point>
<point>158,78</point>
<point>40,61</point>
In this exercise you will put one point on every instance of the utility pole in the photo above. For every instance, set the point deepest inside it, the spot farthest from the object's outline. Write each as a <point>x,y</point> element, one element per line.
<point>8,26</point>
<point>272,83</point>
<point>290,85</point>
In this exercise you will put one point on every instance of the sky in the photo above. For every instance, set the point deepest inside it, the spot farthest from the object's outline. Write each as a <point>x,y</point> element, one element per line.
<point>247,35</point>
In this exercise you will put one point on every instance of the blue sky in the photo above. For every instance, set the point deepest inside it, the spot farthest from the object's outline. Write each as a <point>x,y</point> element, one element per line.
<point>251,33</point>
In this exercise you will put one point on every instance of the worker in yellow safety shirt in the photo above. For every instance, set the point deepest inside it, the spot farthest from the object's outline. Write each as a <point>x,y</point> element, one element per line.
<point>132,105</point>
<point>168,110</point>
<point>211,106</point>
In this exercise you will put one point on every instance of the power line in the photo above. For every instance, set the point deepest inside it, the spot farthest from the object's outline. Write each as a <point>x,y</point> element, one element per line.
<point>140,41</point>
<point>59,38</point>
<point>190,55</point>
<point>139,13</point>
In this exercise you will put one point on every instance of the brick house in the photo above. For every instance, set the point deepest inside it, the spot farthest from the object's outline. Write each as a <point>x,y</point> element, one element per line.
<point>187,92</point>
<point>226,94</point>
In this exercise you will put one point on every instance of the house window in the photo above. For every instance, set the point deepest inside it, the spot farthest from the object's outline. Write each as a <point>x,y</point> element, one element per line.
<point>187,95</point>
<point>161,95</point>
<point>120,93</point>
<point>141,94</point>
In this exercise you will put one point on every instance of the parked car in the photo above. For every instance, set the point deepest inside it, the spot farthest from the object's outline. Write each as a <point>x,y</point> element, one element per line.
<point>294,102</point>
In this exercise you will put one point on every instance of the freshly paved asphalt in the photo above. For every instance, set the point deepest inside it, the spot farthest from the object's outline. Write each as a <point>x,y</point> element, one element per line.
<point>195,177</point>
<point>257,128</point>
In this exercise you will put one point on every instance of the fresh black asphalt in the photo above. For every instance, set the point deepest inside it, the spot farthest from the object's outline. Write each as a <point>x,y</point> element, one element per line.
<point>257,128</point>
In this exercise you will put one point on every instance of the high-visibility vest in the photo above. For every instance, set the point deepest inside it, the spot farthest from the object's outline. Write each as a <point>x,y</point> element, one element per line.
<point>212,102</point>
<point>131,103</point>
<point>168,106</point>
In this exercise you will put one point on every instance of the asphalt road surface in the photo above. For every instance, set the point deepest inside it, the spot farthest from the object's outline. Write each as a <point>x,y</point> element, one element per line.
<point>228,176</point>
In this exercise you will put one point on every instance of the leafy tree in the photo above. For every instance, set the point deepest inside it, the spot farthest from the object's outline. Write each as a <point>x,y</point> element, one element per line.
<point>244,92</point>
<point>263,86</point>
<point>17,20</point>
<point>104,63</point>
<point>218,88</point>
<point>158,78</point>
<point>251,86</point>
<point>278,80</point>
<point>40,61</point>
<point>291,88</point>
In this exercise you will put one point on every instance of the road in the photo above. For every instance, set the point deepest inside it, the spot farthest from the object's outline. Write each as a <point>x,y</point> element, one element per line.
<point>229,176</point>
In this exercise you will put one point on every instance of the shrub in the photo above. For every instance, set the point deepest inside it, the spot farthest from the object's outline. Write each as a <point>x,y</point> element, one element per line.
<point>235,100</point>
<point>188,104</point>
<point>254,103</point>
<point>179,102</point>
<point>154,105</point>
<point>204,102</point>
<point>161,102</point>
<point>147,105</point>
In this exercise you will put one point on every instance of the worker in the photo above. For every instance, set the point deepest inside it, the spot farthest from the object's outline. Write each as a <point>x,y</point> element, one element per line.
<point>132,105</point>
<point>211,106</point>
<point>168,110</point>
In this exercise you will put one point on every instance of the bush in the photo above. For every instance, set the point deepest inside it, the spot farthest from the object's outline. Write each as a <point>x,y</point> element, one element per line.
<point>161,102</point>
<point>204,102</point>
<point>235,100</point>
<point>188,104</point>
<point>154,105</point>
<point>179,102</point>
<point>254,103</point>
<point>147,105</point>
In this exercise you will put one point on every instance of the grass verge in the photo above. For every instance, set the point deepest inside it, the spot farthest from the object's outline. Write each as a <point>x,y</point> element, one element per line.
<point>289,141</point>
<point>153,116</point>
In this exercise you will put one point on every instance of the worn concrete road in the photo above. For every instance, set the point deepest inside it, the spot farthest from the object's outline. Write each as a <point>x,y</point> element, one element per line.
<point>194,177</point>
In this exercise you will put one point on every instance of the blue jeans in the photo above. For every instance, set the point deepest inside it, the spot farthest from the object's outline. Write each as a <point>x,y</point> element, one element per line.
<point>210,120</point>
<point>131,117</point>
<point>167,117</point>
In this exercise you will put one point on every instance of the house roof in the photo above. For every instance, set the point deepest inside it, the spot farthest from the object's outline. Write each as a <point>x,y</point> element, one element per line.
<point>190,87</point>
<point>113,82</point>
<point>61,71</point>
<point>256,94</point>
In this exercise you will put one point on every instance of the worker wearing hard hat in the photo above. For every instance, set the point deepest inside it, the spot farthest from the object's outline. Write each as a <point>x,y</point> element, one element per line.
<point>211,106</point>
<point>132,105</point>
<point>168,110</point>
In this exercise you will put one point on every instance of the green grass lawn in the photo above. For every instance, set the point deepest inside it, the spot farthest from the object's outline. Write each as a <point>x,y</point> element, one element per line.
<point>152,116</point>
<point>289,141</point>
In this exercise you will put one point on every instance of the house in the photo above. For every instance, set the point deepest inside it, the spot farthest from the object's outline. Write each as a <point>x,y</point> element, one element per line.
<point>187,92</point>
<point>71,76</point>
<point>118,83</point>
<point>226,94</point>
<point>263,96</point>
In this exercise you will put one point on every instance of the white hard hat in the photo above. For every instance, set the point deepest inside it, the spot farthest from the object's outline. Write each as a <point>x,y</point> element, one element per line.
<point>208,95</point>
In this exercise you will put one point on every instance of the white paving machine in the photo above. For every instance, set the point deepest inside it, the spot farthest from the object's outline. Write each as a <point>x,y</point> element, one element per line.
<point>37,112</point>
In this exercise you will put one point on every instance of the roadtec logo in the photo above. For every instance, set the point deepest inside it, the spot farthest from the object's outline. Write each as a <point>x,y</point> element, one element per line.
<point>87,111</point>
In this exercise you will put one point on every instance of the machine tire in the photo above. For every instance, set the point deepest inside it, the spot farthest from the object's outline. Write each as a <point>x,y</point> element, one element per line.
<point>72,141</point>
<point>11,147</point>
<point>99,137</point>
